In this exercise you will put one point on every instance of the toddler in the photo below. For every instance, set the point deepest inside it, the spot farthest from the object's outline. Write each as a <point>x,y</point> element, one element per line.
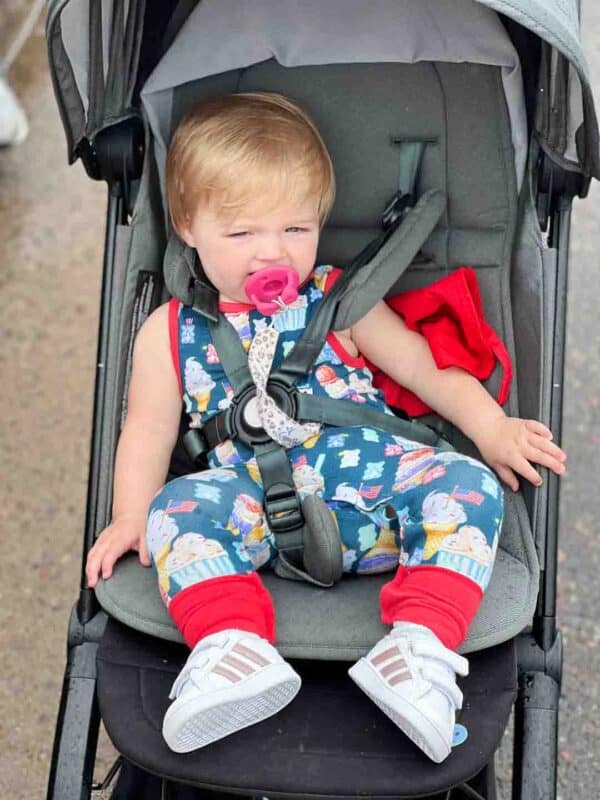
<point>249,184</point>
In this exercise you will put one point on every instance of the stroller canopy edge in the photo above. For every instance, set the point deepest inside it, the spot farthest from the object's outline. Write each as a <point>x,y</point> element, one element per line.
<point>68,25</point>
<point>394,34</point>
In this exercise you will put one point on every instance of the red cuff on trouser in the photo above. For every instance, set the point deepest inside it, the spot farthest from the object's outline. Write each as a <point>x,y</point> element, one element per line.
<point>444,601</point>
<point>216,604</point>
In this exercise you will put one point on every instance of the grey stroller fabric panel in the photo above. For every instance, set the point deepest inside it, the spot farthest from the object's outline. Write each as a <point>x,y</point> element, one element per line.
<point>135,290</point>
<point>317,33</point>
<point>566,121</point>
<point>310,33</point>
<point>94,53</point>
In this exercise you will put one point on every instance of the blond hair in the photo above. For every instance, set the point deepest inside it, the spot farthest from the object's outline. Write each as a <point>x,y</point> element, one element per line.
<point>243,148</point>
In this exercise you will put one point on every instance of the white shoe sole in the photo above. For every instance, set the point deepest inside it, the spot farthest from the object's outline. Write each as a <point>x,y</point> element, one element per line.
<point>409,719</point>
<point>195,723</point>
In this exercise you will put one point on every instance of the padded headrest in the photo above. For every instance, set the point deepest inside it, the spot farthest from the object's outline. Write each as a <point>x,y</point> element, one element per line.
<point>362,110</point>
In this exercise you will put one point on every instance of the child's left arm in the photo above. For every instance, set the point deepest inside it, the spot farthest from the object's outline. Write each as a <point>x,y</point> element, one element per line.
<point>508,444</point>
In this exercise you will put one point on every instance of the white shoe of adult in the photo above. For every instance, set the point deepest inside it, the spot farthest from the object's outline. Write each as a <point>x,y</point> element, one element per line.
<point>13,122</point>
<point>411,676</point>
<point>231,680</point>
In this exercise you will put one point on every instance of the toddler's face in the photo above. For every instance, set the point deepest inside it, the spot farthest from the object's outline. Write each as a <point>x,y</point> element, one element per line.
<point>232,249</point>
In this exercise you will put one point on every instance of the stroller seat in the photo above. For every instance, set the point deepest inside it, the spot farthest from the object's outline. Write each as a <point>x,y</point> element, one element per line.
<point>316,622</point>
<point>462,130</point>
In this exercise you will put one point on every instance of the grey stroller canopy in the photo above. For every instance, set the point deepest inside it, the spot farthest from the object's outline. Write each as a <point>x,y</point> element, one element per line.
<point>95,50</point>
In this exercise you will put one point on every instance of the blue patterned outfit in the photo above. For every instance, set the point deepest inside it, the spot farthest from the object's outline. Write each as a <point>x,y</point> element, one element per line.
<point>447,507</point>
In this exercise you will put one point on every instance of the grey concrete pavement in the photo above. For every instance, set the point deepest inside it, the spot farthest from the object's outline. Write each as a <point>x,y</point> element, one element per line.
<point>51,226</point>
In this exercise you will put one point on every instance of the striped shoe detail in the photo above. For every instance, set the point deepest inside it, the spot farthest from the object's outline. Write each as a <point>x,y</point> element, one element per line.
<point>231,676</point>
<point>248,652</point>
<point>391,666</point>
<point>245,662</point>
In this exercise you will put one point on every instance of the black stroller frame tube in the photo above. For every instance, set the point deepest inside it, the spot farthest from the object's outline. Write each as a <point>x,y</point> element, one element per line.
<point>87,603</point>
<point>540,651</point>
<point>545,627</point>
<point>73,756</point>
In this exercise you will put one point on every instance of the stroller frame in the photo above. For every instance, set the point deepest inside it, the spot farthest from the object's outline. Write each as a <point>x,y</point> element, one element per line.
<point>116,156</point>
<point>539,650</point>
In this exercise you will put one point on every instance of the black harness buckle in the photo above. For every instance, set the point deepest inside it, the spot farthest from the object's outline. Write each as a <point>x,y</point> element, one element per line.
<point>195,446</point>
<point>283,510</point>
<point>396,210</point>
<point>243,424</point>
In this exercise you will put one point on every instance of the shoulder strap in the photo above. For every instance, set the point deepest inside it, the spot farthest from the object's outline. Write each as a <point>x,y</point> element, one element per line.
<point>232,355</point>
<point>364,287</point>
<point>366,281</point>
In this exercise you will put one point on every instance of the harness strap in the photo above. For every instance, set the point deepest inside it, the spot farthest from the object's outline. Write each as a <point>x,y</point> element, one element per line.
<point>282,504</point>
<point>282,507</point>
<point>358,288</point>
<point>231,353</point>
<point>339,413</point>
<point>345,413</point>
<point>374,281</point>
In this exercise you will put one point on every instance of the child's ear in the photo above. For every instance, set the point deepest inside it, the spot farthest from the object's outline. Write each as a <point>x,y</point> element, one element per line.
<point>185,233</point>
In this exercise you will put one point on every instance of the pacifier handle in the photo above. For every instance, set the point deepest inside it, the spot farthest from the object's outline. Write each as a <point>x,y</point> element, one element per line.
<point>272,287</point>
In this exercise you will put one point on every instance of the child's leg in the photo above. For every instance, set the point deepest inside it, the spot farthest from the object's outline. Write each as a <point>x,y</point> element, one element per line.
<point>450,529</point>
<point>440,513</point>
<point>207,536</point>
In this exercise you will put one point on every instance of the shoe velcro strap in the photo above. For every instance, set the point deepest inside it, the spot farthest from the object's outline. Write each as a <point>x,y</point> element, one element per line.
<point>431,649</point>
<point>440,678</point>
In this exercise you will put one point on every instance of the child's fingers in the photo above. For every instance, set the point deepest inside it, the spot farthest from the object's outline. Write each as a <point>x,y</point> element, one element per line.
<point>91,573</point>
<point>113,552</point>
<point>535,426</point>
<point>143,552</point>
<point>540,443</point>
<point>545,459</point>
<point>508,476</point>
<point>524,468</point>
<point>94,561</point>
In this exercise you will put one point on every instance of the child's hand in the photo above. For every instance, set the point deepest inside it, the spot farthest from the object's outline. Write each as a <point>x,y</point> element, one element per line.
<point>509,445</point>
<point>122,535</point>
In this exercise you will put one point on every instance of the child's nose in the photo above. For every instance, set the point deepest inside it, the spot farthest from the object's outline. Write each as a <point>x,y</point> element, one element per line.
<point>271,248</point>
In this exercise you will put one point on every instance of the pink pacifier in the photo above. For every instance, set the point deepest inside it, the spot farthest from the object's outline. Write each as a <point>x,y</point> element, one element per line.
<point>272,288</point>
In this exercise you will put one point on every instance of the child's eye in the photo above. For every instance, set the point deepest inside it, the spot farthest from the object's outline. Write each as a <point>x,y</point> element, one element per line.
<point>296,229</point>
<point>237,234</point>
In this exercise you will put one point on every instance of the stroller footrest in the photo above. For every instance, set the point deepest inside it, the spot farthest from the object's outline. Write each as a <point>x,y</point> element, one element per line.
<point>332,741</point>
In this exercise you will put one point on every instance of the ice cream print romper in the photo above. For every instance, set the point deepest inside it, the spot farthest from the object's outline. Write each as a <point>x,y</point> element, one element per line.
<point>395,501</point>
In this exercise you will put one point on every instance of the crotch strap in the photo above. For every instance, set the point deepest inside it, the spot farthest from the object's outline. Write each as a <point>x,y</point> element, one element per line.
<point>306,534</point>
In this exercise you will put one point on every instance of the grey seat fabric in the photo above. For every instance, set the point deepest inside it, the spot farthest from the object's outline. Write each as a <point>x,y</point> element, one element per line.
<point>361,109</point>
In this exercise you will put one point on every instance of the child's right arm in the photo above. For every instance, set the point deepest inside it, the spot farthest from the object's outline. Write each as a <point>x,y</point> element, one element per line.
<point>145,446</point>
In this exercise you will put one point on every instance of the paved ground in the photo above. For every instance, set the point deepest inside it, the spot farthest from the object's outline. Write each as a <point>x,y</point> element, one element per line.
<point>51,226</point>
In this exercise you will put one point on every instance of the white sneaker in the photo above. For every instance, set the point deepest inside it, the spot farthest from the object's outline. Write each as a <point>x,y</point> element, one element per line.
<point>411,676</point>
<point>231,680</point>
<point>13,122</point>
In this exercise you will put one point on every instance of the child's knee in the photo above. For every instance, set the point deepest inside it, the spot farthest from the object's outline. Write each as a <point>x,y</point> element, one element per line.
<point>162,525</point>
<point>172,492</point>
<point>475,476</point>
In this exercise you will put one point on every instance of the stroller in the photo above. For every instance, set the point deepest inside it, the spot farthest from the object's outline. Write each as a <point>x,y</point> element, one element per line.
<point>497,99</point>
